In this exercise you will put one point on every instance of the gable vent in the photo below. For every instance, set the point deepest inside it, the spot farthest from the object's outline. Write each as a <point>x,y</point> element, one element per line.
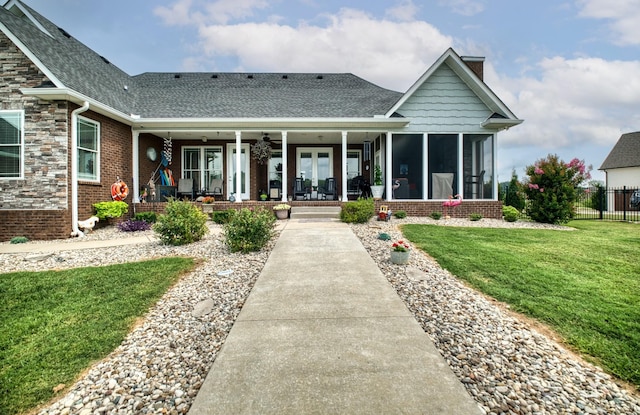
<point>64,33</point>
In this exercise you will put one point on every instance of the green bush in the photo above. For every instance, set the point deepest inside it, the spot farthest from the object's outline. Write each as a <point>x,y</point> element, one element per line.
<point>514,196</point>
<point>222,216</point>
<point>358,211</point>
<point>149,217</point>
<point>435,215</point>
<point>111,209</point>
<point>249,230</point>
<point>510,213</point>
<point>182,224</point>
<point>475,217</point>
<point>551,190</point>
<point>400,214</point>
<point>19,240</point>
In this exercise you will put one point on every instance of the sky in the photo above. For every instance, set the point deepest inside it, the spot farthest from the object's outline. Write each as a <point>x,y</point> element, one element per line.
<point>569,68</point>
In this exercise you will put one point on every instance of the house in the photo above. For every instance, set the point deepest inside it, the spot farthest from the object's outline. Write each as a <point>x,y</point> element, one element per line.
<point>622,172</point>
<point>622,165</point>
<point>73,123</point>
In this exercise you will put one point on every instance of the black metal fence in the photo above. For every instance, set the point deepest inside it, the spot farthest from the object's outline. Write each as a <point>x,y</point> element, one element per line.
<point>622,204</point>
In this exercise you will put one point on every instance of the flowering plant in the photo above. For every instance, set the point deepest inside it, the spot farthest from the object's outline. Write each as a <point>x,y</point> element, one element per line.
<point>400,246</point>
<point>208,200</point>
<point>282,206</point>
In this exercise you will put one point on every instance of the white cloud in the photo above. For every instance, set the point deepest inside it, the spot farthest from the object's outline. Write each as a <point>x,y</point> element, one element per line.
<point>464,7</point>
<point>387,53</point>
<point>405,11</point>
<point>220,11</point>
<point>574,103</point>
<point>624,17</point>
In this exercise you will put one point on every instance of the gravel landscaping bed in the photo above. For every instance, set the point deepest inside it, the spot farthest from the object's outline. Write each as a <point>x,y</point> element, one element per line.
<point>505,364</point>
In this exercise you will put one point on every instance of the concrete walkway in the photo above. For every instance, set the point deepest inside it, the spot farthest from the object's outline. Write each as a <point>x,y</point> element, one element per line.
<point>323,332</point>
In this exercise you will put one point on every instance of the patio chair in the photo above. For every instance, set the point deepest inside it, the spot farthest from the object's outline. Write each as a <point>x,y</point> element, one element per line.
<point>329,189</point>
<point>215,187</point>
<point>476,185</point>
<point>185,188</point>
<point>299,189</point>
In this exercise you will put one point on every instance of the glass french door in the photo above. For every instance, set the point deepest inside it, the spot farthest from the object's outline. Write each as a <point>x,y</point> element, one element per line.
<point>244,170</point>
<point>314,165</point>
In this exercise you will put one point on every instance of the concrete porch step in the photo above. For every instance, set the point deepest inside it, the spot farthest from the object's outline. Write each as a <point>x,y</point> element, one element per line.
<point>315,212</point>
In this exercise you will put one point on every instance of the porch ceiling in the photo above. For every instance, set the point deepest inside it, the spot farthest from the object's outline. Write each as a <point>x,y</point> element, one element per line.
<point>293,137</point>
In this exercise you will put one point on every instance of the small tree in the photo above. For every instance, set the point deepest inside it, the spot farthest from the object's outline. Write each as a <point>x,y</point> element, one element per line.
<point>551,188</point>
<point>514,196</point>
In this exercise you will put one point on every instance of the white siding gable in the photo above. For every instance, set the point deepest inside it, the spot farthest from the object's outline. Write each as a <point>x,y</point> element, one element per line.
<point>444,103</point>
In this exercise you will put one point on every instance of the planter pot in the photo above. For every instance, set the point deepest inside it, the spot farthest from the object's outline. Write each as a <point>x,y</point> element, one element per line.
<point>377,191</point>
<point>400,258</point>
<point>282,214</point>
<point>207,208</point>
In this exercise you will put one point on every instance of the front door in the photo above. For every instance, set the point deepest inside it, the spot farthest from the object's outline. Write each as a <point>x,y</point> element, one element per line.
<point>314,165</point>
<point>244,170</point>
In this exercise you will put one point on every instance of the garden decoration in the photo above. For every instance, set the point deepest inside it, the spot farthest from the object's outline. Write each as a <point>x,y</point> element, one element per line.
<point>400,253</point>
<point>451,203</point>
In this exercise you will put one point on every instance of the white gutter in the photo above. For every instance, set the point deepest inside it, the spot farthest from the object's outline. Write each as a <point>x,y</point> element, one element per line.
<point>74,169</point>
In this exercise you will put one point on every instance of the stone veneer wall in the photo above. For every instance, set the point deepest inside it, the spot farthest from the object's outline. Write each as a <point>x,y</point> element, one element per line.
<point>38,205</point>
<point>45,184</point>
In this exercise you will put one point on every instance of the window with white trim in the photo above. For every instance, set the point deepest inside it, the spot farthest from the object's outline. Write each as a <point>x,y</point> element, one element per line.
<point>11,144</point>
<point>88,149</point>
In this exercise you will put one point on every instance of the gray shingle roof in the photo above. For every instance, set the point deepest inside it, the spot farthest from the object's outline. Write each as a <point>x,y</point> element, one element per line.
<point>626,152</point>
<point>261,95</point>
<point>197,95</point>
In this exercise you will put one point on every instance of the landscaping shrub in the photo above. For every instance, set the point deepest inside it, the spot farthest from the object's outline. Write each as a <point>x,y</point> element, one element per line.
<point>514,196</point>
<point>510,213</point>
<point>435,215</point>
<point>400,214</point>
<point>182,224</point>
<point>551,189</point>
<point>358,211</point>
<point>475,217</point>
<point>19,240</point>
<point>132,225</point>
<point>222,216</point>
<point>149,217</point>
<point>249,230</point>
<point>111,209</point>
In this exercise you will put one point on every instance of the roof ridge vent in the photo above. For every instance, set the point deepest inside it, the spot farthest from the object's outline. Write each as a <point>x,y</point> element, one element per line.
<point>319,77</point>
<point>105,60</point>
<point>64,33</point>
<point>249,76</point>
<point>214,76</point>
<point>177,76</point>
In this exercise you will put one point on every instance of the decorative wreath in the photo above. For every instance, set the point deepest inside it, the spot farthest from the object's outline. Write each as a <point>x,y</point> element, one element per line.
<point>261,151</point>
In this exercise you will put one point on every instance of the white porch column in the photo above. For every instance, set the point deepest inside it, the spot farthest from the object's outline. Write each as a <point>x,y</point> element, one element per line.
<point>238,189</point>
<point>460,181</point>
<point>343,167</point>
<point>387,168</point>
<point>135,155</point>
<point>285,167</point>
<point>425,170</point>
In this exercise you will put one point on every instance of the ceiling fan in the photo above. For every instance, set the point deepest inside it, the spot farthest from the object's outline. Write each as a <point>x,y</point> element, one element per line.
<point>265,137</point>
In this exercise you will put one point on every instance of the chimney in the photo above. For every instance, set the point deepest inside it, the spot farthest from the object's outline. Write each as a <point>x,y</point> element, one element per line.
<point>475,63</point>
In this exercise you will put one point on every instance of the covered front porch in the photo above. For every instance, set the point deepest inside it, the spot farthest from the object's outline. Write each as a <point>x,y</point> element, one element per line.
<point>315,166</point>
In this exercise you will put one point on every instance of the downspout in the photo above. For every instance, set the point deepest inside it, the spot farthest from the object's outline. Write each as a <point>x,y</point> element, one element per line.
<point>74,169</point>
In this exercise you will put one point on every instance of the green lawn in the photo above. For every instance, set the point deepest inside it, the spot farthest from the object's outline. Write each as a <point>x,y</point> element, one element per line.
<point>585,284</point>
<point>55,324</point>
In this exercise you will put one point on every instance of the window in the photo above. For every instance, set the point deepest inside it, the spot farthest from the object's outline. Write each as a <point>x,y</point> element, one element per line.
<point>478,166</point>
<point>88,149</point>
<point>202,164</point>
<point>443,165</point>
<point>11,142</point>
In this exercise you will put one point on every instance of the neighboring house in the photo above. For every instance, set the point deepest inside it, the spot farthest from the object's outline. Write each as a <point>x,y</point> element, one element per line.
<point>622,165</point>
<point>73,123</point>
<point>622,172</point>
